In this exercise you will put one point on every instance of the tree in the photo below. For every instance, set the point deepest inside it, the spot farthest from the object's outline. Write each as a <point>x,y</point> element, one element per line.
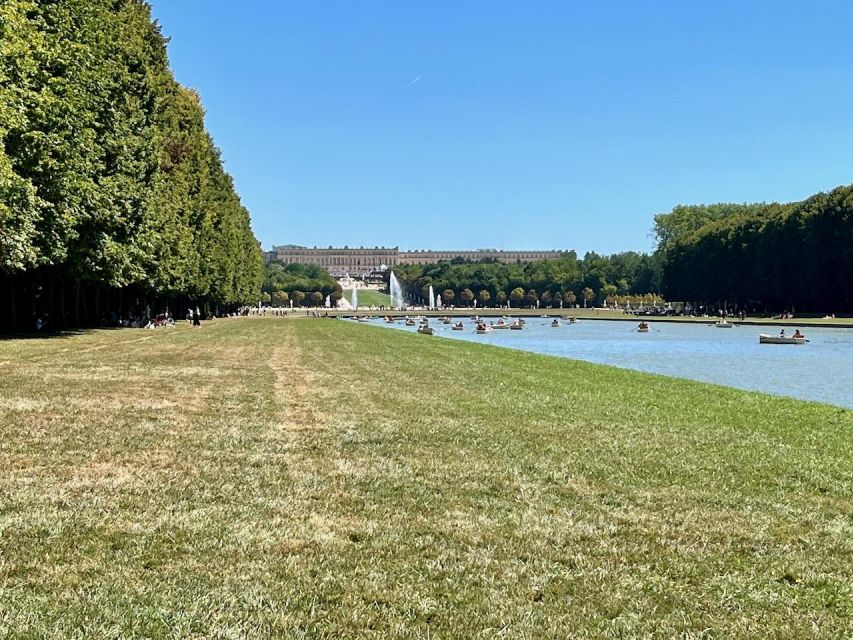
<point>447,296</point>
<point>569,297</point>
<point>297,297</point>
<point>501,297</point>
<point>588,294</point>
<point>467,296</point>
<point>317,298</point>
<point>516,295</point>
<point>265,297</point>
<point>109,181</point>
<point>484,296</point>
<point>280,298</point>
<point>531,298</point>
<point>608,292</point>
<point>546,298</point>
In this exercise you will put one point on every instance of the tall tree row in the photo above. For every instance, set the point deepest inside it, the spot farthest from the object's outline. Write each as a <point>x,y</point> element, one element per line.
<point>766,257</point>
<point>112,194</point>
<point>549,281</point>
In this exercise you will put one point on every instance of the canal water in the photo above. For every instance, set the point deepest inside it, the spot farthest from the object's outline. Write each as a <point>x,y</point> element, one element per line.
<point>820,370</point>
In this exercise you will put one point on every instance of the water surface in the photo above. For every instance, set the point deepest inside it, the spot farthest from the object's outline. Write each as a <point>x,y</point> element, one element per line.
<point>821,370</point>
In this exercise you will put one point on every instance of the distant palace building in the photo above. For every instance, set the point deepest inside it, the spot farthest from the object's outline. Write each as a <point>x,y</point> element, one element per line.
<point>363,260</point>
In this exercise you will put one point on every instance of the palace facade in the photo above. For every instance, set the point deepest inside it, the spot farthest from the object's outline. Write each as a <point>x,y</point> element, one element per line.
<point>358,261</point>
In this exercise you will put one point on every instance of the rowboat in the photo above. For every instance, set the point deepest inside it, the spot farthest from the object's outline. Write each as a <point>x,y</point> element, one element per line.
<point>555,324</point>
<point>484,328</point>
<point>764,338</point>
<point>723,324</point>
<point>427,330</point>
<point>458,326</point>
<point>516,326</point>
<point>573,320</point>
<point>410,322</point>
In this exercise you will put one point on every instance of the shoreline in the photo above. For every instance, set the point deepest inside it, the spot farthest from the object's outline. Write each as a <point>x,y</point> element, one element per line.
<point>589,314</point>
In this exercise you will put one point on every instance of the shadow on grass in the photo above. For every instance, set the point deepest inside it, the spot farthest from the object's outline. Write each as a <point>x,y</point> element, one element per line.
<point>54,335</point>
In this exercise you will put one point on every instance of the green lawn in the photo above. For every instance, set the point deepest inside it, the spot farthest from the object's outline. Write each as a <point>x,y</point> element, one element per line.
<point>369,298</point>
<point>323,479</point>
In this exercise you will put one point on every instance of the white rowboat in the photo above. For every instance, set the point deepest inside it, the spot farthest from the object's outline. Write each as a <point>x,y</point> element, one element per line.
<point>764,338</point>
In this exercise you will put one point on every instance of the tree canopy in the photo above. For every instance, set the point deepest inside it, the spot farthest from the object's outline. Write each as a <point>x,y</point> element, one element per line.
<point>776,256</point>
<point>108,178</point>
<point>627,273</point>
<point>280,278</point>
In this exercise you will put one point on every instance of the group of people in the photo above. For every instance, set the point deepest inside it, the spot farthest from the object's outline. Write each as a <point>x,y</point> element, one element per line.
<point>194,317</point>
<point>162,320</point>
<point>740,315</point>
<point>796,334</point>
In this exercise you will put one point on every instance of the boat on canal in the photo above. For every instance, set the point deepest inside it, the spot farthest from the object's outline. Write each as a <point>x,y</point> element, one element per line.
<point>764,338</point>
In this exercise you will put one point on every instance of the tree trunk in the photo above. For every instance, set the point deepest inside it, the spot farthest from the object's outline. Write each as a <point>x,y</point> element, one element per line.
<point>33,304</point>
<point>50,305</point>
<point>11,307</point>
<point>77,303</point>
<point>61,319</point>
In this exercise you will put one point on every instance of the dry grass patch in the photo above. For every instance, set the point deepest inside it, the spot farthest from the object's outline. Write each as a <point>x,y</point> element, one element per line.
<point>282,478</point>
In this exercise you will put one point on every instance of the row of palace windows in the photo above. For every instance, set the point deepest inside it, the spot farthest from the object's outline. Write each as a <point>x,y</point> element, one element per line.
<point>343,262</point>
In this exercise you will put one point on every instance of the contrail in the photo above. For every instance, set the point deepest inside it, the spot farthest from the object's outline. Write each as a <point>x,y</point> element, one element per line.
<point>414,81</point>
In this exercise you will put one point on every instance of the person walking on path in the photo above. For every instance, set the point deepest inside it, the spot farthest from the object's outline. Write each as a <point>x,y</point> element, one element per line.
<point>197,318</point>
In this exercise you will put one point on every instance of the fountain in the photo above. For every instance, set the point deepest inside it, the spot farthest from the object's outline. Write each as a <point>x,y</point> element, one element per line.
<point>396,292</point>
<point>431,298</point>
<point>438,301</point>
<point>354,299</point>
<point>328,302</point>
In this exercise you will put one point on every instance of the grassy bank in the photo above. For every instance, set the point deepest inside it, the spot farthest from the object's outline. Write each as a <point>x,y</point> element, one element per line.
<point>369,298</point>
<point>315,478</point>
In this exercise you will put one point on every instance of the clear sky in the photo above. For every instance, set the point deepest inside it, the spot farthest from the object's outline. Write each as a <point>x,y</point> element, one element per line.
<point>546,124</point>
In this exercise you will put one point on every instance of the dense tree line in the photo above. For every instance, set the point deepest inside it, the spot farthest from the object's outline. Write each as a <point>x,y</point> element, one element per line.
<point>304,284</point>
<point>595,279</point>
<point>769,257</point>
<point>112,194</point>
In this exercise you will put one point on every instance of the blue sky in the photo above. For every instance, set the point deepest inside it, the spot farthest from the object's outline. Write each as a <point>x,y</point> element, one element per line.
<point>490,123</point>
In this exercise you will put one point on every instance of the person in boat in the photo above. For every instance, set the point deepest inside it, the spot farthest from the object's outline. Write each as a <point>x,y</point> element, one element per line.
<point>555,323</point>
<point>797,334</point>
<point>643,325</point>
<point>782,333</point>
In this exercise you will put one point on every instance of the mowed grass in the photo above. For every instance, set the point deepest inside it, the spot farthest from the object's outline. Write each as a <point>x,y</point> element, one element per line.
<point>317,478</point>
<point>369,298</point>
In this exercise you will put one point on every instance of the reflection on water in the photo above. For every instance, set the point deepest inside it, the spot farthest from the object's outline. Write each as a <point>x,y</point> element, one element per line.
<point>821,370</point>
